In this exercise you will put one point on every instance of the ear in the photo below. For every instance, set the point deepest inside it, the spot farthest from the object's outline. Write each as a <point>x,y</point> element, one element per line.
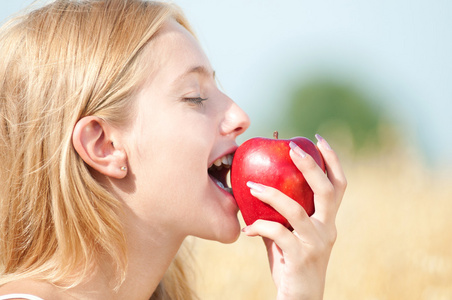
<point>93,139</point>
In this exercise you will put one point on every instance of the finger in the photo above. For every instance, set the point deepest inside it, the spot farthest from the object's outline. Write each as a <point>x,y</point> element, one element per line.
<point>334,169</point>
<point>324,193</point>
<point>268,244</point>
<point>273,249</point>
<point>287,207</point>
<point>275,232</point>
<point>314,175</point>
<point>275,258</point>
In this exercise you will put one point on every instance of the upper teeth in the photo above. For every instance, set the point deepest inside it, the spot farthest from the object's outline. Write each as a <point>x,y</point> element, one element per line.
<point>225,160</point>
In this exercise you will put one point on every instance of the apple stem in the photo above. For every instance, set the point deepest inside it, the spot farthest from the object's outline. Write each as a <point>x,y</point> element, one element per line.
<point>275,134</point>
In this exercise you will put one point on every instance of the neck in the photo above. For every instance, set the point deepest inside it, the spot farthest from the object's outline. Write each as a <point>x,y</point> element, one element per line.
<point>149,256</point>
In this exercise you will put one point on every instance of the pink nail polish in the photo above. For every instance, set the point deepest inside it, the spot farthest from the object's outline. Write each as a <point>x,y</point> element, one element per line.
<point>297,149</point>
<point>323,142</point>
<point>255,186</point>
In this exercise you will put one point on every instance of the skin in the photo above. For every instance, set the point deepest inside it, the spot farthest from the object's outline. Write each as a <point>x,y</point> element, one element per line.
<point>174,139</point>
<point>168,195</point>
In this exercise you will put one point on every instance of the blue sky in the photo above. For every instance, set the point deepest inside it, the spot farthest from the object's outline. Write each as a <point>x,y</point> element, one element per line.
<point>399,51</point>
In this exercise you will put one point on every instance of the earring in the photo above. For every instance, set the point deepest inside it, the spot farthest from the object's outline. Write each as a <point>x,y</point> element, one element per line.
<point>123,168</point>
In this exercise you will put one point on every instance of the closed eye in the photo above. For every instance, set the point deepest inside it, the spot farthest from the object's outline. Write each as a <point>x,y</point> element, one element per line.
<point>198,100</point>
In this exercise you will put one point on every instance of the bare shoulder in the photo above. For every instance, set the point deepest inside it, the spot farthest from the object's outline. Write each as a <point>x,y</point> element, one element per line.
<point>35,288</point>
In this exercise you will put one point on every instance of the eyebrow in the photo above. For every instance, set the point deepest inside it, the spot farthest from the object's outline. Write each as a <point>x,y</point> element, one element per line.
<point>202,70</point>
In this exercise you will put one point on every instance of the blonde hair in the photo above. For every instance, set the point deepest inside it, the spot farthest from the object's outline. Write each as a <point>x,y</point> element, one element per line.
<point>61,62</point>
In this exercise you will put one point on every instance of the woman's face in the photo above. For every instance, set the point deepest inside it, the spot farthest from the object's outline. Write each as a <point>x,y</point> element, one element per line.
<point>184,124</point>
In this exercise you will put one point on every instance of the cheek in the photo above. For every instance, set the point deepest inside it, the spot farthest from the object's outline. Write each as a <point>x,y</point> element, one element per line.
<point>171,150</point>
<point>171,159</point>
<point>168,184</point>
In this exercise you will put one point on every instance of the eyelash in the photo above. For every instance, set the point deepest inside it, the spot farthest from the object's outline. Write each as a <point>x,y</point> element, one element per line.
<point>198,101</point>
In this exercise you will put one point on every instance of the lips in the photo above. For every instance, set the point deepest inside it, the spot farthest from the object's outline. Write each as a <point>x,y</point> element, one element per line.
<point>219,169</point>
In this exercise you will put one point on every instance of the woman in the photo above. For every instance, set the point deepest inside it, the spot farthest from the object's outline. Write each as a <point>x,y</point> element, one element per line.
<point>111,118</point>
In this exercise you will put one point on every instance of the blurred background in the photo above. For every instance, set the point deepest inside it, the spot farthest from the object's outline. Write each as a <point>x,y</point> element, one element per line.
<point>374,78</point>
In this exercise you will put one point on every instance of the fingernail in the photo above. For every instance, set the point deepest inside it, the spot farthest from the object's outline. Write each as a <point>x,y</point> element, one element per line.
<point>323,142</point>
<point>255,186</point>
<point>245,229</point>
<point>297,149</point>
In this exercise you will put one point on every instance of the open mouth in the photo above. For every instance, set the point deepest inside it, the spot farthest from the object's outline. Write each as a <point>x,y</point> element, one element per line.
<point>219,169</point>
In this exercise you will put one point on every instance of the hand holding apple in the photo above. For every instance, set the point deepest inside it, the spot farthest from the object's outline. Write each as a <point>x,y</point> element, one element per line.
<point>299,254</point>
<point>267,161</point>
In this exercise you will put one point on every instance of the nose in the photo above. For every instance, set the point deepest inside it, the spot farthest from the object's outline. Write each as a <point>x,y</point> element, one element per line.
<point>236,121</point>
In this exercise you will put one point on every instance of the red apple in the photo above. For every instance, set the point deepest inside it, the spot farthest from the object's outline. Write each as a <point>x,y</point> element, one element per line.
<point>267,161</point>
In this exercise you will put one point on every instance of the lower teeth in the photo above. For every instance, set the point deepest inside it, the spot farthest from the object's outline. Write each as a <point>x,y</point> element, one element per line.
<point>220,184</point>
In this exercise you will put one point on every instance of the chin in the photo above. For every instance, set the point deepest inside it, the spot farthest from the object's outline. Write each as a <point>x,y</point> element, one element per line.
<point>226,232</point>
<point>229,236</point>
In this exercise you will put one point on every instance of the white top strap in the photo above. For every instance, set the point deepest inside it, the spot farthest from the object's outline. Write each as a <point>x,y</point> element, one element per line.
<point>19,296</point>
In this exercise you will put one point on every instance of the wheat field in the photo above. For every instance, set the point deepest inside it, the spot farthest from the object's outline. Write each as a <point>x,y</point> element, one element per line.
<point>395,240</point>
